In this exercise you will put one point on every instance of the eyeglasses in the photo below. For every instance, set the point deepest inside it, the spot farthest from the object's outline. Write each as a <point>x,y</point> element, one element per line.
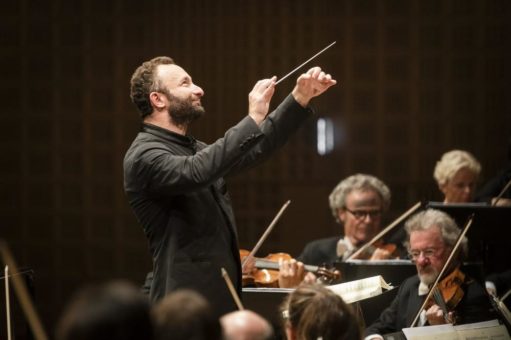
<point>359,214</point>
<point>427,253</point>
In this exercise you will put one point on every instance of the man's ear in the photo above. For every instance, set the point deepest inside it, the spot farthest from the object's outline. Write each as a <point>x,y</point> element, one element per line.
<point>341,215</point>
<point>158,100</point>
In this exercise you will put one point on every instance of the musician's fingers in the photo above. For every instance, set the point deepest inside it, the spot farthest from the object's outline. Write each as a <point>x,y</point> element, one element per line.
<point>310,278</point>
<point>300,271</point>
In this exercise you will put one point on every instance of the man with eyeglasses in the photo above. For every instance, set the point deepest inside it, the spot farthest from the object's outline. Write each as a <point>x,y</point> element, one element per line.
<point>357,203</point>
<point>432,235</point>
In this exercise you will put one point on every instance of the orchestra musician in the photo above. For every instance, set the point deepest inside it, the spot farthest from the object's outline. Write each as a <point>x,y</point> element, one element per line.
<point>175,185</point>
<point>431,237</point>
<point>456,174</point>
<point>496,190</point>
<point>357,203</point>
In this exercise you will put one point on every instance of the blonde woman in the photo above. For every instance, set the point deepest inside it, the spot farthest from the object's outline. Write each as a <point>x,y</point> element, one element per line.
<point>456,174</point>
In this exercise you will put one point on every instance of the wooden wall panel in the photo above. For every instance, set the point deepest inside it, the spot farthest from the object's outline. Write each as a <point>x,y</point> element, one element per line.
<point>416,78</point>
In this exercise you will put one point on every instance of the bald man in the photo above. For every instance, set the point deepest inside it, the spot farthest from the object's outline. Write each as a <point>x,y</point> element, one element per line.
<point>246,325</point>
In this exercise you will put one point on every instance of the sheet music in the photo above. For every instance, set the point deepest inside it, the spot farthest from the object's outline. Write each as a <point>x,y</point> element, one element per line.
<point>360,289</point>
<point>352,291</point>
<point>440,332</point>
<point>482,330</point>
<point>488,330</point>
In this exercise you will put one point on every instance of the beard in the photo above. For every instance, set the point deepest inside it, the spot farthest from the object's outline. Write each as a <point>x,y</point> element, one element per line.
<point>183,111</point>
<point>428,276</point>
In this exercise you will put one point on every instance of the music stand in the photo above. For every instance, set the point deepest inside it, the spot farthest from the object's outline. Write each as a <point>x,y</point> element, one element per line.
<point>487,236</point>
<point>393,271</point>
<point>266,302</point>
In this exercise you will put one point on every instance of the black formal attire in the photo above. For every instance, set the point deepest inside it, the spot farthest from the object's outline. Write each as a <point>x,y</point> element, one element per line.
<point>475,306</point>
<point>176,189</point>
<point>320,252</point>
<point>494,186</point>
<point>502,281</point>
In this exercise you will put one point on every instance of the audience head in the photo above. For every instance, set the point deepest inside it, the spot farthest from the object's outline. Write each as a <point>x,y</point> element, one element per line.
<point>246,325</point>
<point>112,311</point>
<point>432,234</point>
<point>185,315</point>
<point>456,174</point>
<point>358,202</point>
<point>314,312</point>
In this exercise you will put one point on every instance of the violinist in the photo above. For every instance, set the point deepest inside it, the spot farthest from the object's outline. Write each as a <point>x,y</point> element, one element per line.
<point>431,237</point>
<point>456,174</point>
<point>357,203</point>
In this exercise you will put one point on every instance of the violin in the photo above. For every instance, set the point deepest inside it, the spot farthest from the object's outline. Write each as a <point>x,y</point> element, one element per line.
<point>367,254</point>
<point>448,293</point>
<point>265,272</point>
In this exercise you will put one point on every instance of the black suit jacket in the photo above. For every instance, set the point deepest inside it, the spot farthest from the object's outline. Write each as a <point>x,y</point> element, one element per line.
<point>320,252</point>
<point>176,188</point>
<point>502,281</point>
<point>475,306</point>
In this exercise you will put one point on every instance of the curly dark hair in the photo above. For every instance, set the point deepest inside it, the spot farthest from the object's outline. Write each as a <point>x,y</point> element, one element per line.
<point>143,82</point>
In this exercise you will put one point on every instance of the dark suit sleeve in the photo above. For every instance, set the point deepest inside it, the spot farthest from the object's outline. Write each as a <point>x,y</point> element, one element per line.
<point>320,252</point>
<point>306,255</point>
<point>495,185</point>
<point>502,281</point>
<point>475,305</point>
<point>278,126</point>
<point>387,322</point>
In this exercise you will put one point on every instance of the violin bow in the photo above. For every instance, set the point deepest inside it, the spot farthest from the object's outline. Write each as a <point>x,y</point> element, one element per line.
<point>7,303</point>
<point>21,292</point>
<point>265,234</point>
<point>384,231</point>
<point>229,284</point>
<point>502,193</point>
<point>444,268</point>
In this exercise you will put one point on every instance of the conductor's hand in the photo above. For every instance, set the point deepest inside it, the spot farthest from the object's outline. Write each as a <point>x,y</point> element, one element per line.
<point>259,99</point>
<point>311,84</point>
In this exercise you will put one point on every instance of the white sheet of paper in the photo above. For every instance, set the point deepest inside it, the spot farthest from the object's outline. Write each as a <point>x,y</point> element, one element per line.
<point>357,290</point>
<point>440,332</point>
<point>490,330</point>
